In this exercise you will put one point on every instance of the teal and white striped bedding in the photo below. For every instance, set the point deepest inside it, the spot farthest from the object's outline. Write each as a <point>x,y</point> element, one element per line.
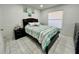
<point>42,33</point>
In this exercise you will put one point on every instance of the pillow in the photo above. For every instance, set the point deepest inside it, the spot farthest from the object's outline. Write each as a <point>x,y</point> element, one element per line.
<point>31,23</point>
<point>34,23</point>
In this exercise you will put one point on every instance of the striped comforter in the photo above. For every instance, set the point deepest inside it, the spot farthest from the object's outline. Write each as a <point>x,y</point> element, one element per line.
<point>42,33</point>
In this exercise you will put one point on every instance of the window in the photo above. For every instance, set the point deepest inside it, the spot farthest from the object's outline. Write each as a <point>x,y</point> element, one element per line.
<point>55,19</point>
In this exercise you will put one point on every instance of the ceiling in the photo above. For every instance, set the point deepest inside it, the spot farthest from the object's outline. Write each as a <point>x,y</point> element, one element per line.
<point>37,6</point>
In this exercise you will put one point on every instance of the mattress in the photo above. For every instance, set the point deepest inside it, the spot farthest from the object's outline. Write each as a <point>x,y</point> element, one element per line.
<point>42,33</point>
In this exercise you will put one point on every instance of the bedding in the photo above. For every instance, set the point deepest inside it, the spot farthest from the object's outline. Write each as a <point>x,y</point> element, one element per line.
<point>42,33</point>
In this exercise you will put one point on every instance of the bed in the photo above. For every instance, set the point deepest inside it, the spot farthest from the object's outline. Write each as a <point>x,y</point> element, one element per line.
<point>43,34</point>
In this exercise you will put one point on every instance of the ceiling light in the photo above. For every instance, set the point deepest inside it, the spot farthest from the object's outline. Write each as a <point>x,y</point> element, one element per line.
<point>41,6</point>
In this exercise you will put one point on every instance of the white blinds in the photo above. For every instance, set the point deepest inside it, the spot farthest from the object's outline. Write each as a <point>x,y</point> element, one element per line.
<point>55,15</point>
<point>55,19</point>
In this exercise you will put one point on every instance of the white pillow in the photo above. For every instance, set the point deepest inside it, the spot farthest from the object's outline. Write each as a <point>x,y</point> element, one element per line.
<point>34,23</point>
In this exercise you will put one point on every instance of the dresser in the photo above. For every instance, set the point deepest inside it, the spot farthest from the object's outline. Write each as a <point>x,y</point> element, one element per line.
<point>76,38</point>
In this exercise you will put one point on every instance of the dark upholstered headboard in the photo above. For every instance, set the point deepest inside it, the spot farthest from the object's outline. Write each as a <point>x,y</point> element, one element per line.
<point>26,21</point>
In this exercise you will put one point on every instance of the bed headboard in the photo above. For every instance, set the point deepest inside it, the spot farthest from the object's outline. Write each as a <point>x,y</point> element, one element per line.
<point>26,21</point>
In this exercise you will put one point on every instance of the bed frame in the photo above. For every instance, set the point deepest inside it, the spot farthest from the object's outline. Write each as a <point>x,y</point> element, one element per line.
<point>53,39</point>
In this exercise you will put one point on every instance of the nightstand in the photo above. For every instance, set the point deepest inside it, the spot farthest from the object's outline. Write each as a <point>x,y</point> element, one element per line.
<point>20,32</point>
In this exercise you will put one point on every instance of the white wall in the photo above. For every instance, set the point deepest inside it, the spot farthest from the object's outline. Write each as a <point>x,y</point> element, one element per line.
<point>0,17</point>
<point>71,16</point>
<point>1,44</point>
<point>12,16</point>
<point>1,37</point>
